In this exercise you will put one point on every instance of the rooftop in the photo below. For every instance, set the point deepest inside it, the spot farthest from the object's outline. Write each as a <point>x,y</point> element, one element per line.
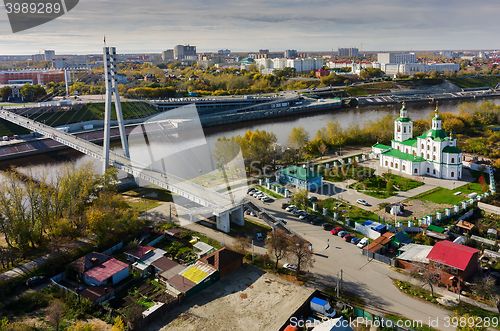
<point>452,254</point>
<point>89,261</point>
<point>381,146</point>
<point>438,135</point>
<point>452,150</point>
<point>198,272</point>
<point>181,283</point>
<point>221,258</point>
<point>140,251</point>
<point>415,253</point>
<point>300,173</point>
<point>106,269</point>
<point>164,264</point>
<point>405,156</point>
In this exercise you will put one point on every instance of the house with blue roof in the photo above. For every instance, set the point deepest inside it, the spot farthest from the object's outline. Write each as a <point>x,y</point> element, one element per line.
<point>434,153</point>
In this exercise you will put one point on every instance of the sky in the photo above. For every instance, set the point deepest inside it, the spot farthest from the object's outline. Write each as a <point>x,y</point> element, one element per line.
<point>152,26</point>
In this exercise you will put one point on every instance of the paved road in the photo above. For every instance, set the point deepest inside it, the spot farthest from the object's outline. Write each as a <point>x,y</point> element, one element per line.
<point>27,267</point>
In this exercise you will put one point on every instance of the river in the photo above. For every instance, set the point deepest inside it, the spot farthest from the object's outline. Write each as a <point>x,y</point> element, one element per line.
<point>280,126</point>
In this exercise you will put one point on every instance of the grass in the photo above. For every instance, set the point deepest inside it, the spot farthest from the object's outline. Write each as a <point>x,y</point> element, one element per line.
<point>469,82</point>
<point>336,174</point>
<point>441,196</point>
<point>379,195</point>
<point>464,308</point>
<point>403,183</point>
<point>416,291</point>
<point>270,193</point>
<point>266,264</point>
<point>153,195</point>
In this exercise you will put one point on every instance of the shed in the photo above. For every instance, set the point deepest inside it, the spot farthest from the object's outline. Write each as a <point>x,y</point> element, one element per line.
<point>485,241</point>
<point>203,249</point>
<point>225,260</point>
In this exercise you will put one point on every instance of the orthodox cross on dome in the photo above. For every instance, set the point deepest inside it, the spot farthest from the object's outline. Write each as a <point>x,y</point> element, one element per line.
<point>437,110</point>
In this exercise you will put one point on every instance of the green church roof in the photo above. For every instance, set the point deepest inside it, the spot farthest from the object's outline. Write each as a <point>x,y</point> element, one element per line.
<point>381,146</point>
<point>452,150</point>
<point>403,119</point>
<point>438,135</point>
<point>404,156</point>
<point>410,142</point>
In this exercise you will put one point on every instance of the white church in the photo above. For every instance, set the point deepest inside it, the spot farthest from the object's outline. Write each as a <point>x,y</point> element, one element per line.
<point>434,153</point>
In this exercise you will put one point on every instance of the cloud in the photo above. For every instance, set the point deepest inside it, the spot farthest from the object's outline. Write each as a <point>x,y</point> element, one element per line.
<point>156,25</point>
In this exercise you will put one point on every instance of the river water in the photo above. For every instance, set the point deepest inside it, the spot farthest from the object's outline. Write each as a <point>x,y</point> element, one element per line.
<point>280,126</point>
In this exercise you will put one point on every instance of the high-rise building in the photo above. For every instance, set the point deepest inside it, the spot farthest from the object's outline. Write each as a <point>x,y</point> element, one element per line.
<point>37,57</point>
<point>396,58</point>
<point>50,55</point>
<point>167,55</point>
<point>289,53</point>
<point>224,52</point>
<point>348,52</point>
<point>184,51</point>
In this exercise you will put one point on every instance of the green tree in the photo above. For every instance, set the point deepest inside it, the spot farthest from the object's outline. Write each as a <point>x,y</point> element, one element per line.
<point>5,92</point>
<point>300,199</point>
<point>390,187</point>
<point>298,137</point>
<point>27,92</point>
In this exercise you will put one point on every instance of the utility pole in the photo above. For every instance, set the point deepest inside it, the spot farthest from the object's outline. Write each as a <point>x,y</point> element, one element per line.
<point>338,285</point>
<point>252,252</point>
<point>341,278</point>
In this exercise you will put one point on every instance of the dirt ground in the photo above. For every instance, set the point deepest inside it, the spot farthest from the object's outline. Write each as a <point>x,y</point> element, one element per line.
<point>248,298</point>
<point>417,208</point>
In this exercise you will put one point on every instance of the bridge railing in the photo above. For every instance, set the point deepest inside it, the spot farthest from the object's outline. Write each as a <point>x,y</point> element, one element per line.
<point>120,161</point>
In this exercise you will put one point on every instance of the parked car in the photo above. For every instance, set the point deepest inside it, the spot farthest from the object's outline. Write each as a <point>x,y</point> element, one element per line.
<point>316,221</point>
<point>362,202</point>
<point>281,220</point>
<point>290,208</point>
<point>250,190</point>
<point>363,242</point>
<point>284,205</point>
<point>342,234</point>
<point>355,240</point>
<point>267,199</point>
<point>348,237</point>
<point>260,237</point>
<point>309,217</point>
<point>303,216</point>
<point>36,280</point>
<point>326,226</point>
<point>289,266</point>
<point>337,230</point>
<point>262,197</point>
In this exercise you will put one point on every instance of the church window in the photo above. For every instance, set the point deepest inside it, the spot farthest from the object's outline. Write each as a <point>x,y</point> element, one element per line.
<point>428,156</point>
<point>428,170</point>
<point>422,154</point>
<point>434,171</point>
<point>434,157</point>
<point>415,171</point>
<point>423,146</point>
<point>404,167</point>
<point>386,163</point>
<point>428,147</point>
<point>414,153</point>
<point>452,160</point>
<point>399,128</point>
<point>396,165</point>
<point>459,174</point>
<point>404,129</point>
<point>392,164</point>
<point>407,150</point>
<point>452,174</point>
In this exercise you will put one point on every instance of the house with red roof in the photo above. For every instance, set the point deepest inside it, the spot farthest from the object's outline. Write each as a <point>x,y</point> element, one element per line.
<point>108,272</point>
<point>453,263</point>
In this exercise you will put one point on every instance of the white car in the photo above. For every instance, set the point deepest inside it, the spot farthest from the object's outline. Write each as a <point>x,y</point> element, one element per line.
<point>304,215</point>
<point>290,208</point>
<point>289,266</point>
<point>267,199</point>
<point>362,202</point>
<point>363,242</point>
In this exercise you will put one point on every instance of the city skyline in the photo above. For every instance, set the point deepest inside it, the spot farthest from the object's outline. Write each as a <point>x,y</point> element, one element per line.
<point>309,25</point>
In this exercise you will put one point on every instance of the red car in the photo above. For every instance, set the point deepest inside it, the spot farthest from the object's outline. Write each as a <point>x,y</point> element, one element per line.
<point>348,237</point>
<point>336,231</point>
